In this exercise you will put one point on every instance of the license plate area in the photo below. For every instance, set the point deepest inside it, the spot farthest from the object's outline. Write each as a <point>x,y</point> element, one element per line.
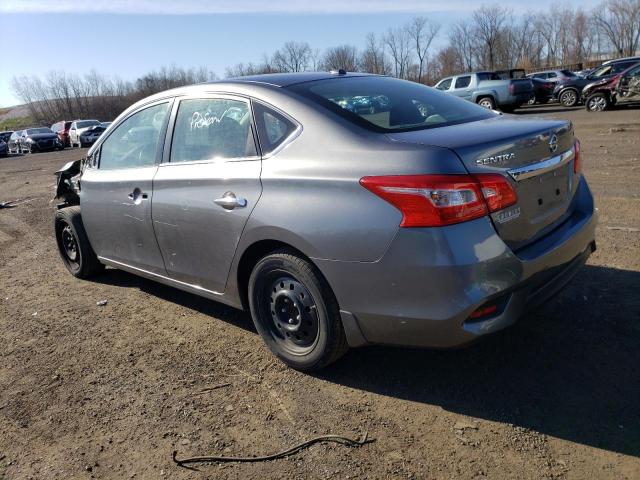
<point>543,194</point>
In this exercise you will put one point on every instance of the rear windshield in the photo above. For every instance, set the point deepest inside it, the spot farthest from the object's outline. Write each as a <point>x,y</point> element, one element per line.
<point>87,123</point>
<point>385,104</point>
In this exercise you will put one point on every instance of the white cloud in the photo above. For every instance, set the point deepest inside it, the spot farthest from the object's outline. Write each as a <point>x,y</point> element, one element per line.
<point>190,7</point>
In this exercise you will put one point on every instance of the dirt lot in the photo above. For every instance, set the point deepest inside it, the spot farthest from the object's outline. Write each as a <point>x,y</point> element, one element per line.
<point>109,392</point>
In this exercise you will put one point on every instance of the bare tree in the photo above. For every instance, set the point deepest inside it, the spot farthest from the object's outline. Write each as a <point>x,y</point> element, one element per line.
<point>373,58</point>
<point>619,20</point>
<point>461,40</point>
<point>489,22</point>
<point>399,44</point>
<point>422,32</point>
<point>344,56</point>
<point>292,57</point>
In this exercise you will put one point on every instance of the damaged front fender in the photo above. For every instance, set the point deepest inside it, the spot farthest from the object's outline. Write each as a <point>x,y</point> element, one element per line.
<point>68,184</point>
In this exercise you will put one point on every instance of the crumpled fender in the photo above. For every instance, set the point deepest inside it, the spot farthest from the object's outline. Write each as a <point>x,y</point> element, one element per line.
<point>66,185</point>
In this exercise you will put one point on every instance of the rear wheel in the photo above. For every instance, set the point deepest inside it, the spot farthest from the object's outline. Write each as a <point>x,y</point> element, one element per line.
<point>295,311</point>
<point>598,102</point>
<point>487,102</point>
<point>73,244</point>
<point>569,98</point>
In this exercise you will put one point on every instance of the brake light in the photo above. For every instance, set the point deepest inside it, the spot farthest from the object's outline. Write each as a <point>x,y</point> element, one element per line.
<point>577,161</point>
<point>512,88</point>
<point>497,191</point>
<point>438,200</point>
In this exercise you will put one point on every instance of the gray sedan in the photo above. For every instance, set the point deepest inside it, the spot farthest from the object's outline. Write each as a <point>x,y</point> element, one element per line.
<point>425,221</point>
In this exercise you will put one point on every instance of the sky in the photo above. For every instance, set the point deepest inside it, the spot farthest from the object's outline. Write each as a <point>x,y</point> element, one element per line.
<point>128,38</point>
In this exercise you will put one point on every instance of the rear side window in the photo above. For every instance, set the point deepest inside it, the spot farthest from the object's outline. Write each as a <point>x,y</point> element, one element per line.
<point>134,143</point>
<point>463,82</point>
<point>552,75</point>
<point>273,127</point>
<point>384,104</point>
<point>212,128</point>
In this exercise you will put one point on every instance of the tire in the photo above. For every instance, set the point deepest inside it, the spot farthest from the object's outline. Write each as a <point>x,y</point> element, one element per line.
<point>73,244</point>
<point>487,102</point>
<point>569,97</point>
<point>295,311</point>
<point>598,102</point>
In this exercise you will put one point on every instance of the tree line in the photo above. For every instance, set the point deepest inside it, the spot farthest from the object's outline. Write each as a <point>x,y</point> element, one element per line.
<point>491,38</point>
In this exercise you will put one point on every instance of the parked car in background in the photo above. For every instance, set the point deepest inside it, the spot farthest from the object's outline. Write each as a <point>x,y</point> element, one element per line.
<point>569,92</point>
<point>4,142</point>
<point>5,135</point>
<point>543,90</point>
<point>13,144</point>
<point>488,90</point>
<point>553,75</point>
<point>41,139</point>
<point>105,124</point>
<point>61,128</point>
<point>91,134</point>
<point>76,129</point>
<point>625,86</point>
<point>431,224</point>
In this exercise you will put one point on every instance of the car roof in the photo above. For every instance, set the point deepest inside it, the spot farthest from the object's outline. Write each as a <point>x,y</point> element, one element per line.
<point>288,79</point>
<point>618,60</point>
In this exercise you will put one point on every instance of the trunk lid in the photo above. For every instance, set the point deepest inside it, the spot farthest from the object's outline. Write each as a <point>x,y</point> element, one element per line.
<point>522,150</point>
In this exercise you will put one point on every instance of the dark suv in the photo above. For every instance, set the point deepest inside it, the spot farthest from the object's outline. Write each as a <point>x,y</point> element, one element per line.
<point>61,128</point>
<point>569,91</point>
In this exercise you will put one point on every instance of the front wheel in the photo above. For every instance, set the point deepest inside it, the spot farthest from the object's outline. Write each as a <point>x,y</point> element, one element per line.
<point>569,98</point>
<point>598,102</point>
<point>295,311</point>
<point>73,244</point>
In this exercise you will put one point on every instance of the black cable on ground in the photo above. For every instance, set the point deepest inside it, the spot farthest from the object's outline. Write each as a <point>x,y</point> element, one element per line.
<point>349,442</point>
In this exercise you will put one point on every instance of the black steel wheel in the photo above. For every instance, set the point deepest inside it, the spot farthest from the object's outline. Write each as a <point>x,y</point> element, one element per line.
<point>295,311</point>
<point>73,244</point>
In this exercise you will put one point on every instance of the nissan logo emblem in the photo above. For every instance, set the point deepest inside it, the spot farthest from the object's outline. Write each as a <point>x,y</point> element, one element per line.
<point>553,143</point>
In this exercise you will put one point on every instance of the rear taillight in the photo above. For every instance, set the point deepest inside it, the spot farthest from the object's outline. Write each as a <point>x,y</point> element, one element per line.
<point>437,200</point>
<point>577,161</point>
<point>512,88</point>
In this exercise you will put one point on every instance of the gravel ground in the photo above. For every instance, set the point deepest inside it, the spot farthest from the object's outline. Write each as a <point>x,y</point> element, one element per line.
<point>90,391</point>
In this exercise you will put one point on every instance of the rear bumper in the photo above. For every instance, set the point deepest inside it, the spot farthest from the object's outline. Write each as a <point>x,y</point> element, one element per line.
<point>424,288</point>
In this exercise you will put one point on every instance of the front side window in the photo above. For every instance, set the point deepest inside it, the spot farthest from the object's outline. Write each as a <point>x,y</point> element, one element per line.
<point>444,84</point>
<point>406,105</point>
<point>273,127</point>
<point>212,128</point>
<point>463,82</point>
<point>134,143</point>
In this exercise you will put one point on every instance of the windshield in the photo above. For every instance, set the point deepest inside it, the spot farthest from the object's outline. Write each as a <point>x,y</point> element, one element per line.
<point>387,104</point>
<point>34,131</point>
<point>568,73</point>
<point>87,123</point>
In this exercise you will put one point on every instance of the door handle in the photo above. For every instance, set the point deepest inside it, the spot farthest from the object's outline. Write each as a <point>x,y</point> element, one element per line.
<point>229,201</point>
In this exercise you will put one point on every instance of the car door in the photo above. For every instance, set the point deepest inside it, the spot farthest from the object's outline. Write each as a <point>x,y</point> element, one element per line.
<point>72,133</point>
<point>629,85</point>
<point>206,188</point>
<point>117,190</point>
<point>461,87</point>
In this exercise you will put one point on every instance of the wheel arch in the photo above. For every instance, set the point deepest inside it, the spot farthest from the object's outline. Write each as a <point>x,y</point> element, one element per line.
<point>251,255</point>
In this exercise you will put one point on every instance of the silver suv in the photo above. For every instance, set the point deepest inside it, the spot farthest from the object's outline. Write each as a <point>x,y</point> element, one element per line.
<point>425,221</point>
